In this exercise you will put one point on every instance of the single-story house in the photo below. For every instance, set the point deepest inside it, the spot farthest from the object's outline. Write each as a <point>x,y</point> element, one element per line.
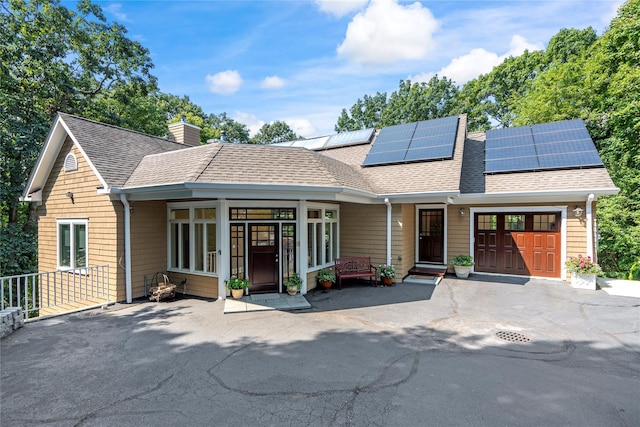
<point>519,200</point>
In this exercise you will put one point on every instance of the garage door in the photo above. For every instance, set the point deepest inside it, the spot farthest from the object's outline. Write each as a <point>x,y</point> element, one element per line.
<point>525,244</point>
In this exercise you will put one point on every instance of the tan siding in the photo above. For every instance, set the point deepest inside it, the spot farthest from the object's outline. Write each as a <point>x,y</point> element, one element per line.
<point>148,242</point>
<point>104,218</point>
<point>408,226</point>
<point>457,232</point>
<point>363,231</point>
<point>201,286</point>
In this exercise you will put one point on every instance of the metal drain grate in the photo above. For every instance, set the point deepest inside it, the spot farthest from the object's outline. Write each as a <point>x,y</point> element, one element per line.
<point>512,336</point>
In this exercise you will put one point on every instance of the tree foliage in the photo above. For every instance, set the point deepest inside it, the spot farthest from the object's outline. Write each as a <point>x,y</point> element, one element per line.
<point>274,132</point>
<point>410,103</point>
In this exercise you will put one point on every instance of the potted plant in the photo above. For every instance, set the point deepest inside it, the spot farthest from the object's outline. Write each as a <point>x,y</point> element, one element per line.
<point>583,272</point>
<point>293,284</point>
<point>387,273</point>
<point>462,265</point>
<point>237,286</point>
<point>326,278</point>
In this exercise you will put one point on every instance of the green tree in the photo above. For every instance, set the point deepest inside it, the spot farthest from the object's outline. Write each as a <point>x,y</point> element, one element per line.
<point>274,132</point>
<point>414,102</point>
<point>52,59</point>
<point>366,113</point>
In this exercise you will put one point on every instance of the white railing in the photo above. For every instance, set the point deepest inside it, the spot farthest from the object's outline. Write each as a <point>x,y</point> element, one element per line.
<point>36,291</point>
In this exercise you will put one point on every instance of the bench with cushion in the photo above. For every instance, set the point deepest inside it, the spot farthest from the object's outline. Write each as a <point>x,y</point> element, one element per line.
<point>355,267</point>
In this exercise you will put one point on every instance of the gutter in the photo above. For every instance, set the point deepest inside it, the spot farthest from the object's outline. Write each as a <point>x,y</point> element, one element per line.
<point>590,251</point>
<point>127,245</point>
<point>388,203</point>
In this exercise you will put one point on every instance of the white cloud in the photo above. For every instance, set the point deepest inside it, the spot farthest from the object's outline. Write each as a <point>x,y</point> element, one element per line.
<point>340,8</point>
<point>387,32</point>
<point>478,61</point>
<point>273,82</point>
<point>116,10</point>
<point>253,123</point>
<point>301,127</point>
<point>224,82</point>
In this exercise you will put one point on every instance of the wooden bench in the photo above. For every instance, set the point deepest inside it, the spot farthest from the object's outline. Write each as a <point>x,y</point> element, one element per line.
<point>355,267</point>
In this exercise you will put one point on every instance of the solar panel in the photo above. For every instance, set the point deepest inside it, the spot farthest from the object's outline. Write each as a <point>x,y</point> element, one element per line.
<point>350,138</point>
<point>414,142</point>
<point>432,153</point>
<point>557,145</point>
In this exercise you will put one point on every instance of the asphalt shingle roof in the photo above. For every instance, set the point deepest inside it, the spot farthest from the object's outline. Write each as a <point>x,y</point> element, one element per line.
<point>114,151</point>
<point>125,158</point>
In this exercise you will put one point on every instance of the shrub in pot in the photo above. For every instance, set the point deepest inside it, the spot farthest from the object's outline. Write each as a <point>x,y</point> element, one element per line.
<point>326,278</point>
<point>462,265</point>
<point>293,284</point>
<point>236,286</point>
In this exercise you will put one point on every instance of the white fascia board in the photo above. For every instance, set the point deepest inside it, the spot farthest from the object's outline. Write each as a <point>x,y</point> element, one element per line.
<point>430,197</point>
<point>245,191</point>
<point>532,196</point>
<point>46,159</point>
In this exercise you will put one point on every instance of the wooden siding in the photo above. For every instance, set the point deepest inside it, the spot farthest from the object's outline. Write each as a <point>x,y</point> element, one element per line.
<point>104,218</point>
<point>457,233</point>
<point>363,231</point>
<point>148,243</point>
<point>408,236</point>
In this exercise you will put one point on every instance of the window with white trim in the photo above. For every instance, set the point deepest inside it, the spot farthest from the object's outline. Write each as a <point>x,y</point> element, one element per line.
<point>322,236</point>
<point>73,241</point>
<point>192,239</point>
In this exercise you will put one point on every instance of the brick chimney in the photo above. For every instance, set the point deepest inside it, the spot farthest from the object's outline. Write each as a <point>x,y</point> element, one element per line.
<point>184,133</point>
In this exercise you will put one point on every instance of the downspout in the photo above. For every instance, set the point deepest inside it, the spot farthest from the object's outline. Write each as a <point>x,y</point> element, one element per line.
<point>127,245</point>
<point>590,200</point>
<point>388,203</point>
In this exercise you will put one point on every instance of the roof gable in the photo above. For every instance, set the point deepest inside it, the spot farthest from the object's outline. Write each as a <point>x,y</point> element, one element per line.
<point>112,152</point>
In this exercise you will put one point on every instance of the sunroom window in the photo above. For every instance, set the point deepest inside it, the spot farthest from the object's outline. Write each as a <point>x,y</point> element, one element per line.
<point>192,239</point>
<point>322,236</point>
<point>72,243</point>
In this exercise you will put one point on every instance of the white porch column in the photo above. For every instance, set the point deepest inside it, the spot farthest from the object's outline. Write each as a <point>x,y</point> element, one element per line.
<point>127,246</point>
<point>223,245</point>
<point>301,244</point>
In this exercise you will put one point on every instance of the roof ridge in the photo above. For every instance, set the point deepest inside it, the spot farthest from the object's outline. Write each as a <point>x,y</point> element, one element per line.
<point>63,114</point>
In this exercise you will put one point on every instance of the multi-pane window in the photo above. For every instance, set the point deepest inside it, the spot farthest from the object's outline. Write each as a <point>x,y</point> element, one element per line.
<point>192,239</point>
<point>487,222</point>
<point>514,222</point>
<point>322,236</point>
<point>72,243</point>
<point>544,222</point>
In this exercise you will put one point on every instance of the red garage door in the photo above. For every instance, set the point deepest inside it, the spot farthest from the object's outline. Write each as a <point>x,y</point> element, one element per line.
<point>518,243</point>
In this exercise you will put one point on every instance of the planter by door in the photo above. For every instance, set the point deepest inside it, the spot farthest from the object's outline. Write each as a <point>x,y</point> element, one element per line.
<point>237,293</point>
<point>387,281</point>
<point>292,291</point>
<point>583,281</point>
<point>326,284</point>
<point>462,271</point>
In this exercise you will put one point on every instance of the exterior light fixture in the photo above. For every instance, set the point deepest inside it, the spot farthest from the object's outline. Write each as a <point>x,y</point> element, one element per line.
<point>577,211</point>
<point>462,212</point>
<point>70,195</point>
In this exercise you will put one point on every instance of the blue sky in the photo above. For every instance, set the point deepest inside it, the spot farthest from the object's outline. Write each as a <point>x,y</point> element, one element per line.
<point>304,61</point>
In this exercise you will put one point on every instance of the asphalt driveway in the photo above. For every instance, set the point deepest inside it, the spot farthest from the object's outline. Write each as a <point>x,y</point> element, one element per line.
<point>467,352</point>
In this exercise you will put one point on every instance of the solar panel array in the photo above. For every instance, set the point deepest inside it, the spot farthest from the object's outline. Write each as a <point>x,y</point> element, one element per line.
<point>332,141</point>
<point>557,145</point>
<point>414,142</point>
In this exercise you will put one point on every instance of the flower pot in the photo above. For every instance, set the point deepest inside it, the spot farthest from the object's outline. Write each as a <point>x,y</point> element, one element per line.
<point>387,281</point>
<point>292,291</point>
<point>326,284</point>
<point>462,271</point>
<point>237,293</point>
<point>583,281</point>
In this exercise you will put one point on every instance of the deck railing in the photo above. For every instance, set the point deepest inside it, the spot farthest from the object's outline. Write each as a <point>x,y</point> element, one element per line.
<point>41,291</point>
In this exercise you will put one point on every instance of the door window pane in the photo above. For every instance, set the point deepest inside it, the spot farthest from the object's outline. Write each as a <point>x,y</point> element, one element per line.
<point>514,222</point>
<point>487,222</point>
<point>544,222</point>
